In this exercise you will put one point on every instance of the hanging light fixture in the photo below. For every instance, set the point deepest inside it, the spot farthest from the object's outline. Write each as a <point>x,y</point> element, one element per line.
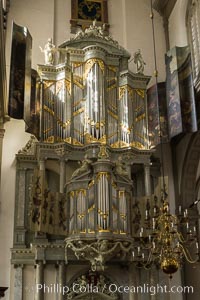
<point>164,239</point>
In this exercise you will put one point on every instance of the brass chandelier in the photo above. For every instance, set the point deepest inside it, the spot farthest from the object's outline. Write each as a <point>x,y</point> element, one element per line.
<point>165,239</point>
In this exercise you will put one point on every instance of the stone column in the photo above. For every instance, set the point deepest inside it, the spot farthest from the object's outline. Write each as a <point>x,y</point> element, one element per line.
<point>18,283</point>
<point>147,180</point>
<point>42,167</point>
<point>133,280</point>
<point>61,279</point>
<point>39,281</point>
<point>166,29</point>
<point>1,145</point>
<point>62,175</point>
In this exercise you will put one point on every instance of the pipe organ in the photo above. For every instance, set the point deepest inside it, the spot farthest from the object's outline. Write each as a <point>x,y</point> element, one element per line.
<point>102,206</point>
<point>92,112</point>
<point>90,96</point>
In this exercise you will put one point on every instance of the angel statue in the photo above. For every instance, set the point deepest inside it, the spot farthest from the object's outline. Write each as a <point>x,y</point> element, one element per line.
<point>85,167</point>
<point>138,60</point>
<point>121,167</point>
<point>49,52</point>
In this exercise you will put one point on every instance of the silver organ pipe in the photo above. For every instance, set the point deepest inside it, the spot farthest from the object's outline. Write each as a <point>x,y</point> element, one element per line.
<point>71,214</point>
<point>81,199</point>
<point>96,101</point>
<point>103,201</point>
<point>123,211</point>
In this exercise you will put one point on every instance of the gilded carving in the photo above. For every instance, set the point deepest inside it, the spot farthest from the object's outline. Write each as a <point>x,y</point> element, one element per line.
<point>90,63</point>
<point>68,86</point>
<point>29,148</point>
<point>140,92</point>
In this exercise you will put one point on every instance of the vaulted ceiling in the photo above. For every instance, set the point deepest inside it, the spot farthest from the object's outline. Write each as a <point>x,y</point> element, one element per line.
<point>164,7</point>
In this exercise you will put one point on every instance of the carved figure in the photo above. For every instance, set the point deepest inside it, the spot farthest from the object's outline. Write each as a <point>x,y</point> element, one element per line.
<point>101,283</point>
<point>85,167</point>
<point>97,262</point>
<point>79,33</point>
<point>92,30</point>
<point>121,168</point>
<point>138,60</point>
<point>103,154</point>
<point>82,281</point>
<point>49,52</point>
<point>29,148</point>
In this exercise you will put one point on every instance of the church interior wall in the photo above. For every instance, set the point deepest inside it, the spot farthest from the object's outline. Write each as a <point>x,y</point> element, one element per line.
<point>14,139</point>
<point>177,25</point>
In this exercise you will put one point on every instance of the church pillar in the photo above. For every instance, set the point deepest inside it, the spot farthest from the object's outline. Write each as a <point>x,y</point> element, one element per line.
<point>39,281</point>
<point>133,280</point>
<point>1,145</point>
<point>42,167</point>
<point>62,175</point>
<point>61,279</point>
<point>18,282</point>
<point>147,179</point>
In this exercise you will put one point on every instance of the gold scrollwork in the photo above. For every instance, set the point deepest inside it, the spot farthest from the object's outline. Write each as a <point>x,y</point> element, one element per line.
<point>139,118</point>
<point>47,130</point>
<point>90,139</point>
<point>76,142</point>
<point>59,86</point>
<point>112,114</point>
<point>68,140</point>
<point>102,140</point>
<point>50,101</point>
<point>100,174</point>
<point>91,208</point>
<point>76,82</point>
<point>114,185</point>
<point>121,193</point>
<point>137,145</point>
<point>112,68</point>
<point>111,87</point>
<point>48,83</point>
<point>130,90</point>
<point>90,63</point>
<point>139,108</point>
<point>123,89</point>
<point>81,191</point>
<point>67,123</point>
<point>79,111</point>
<point>71,194</point>
<point>119,144</point>
<point>81,216</point>
<point>68,86</point>
<point>77,64</point>
<point>78,102</point>
<point>140,92</point>
<point>113,134</point>
<point>50,111</point>
<point>91,184</point>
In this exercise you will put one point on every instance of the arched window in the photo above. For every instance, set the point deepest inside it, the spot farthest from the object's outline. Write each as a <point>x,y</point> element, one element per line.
<point>193,27</point>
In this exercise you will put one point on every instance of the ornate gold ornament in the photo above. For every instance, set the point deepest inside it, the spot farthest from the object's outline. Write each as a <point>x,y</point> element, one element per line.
<point>90,63</point>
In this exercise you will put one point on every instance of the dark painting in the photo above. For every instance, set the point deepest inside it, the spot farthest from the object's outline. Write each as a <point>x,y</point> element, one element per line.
<point>157,114</point>
<point>20,73</point>
<point>180,92</point>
